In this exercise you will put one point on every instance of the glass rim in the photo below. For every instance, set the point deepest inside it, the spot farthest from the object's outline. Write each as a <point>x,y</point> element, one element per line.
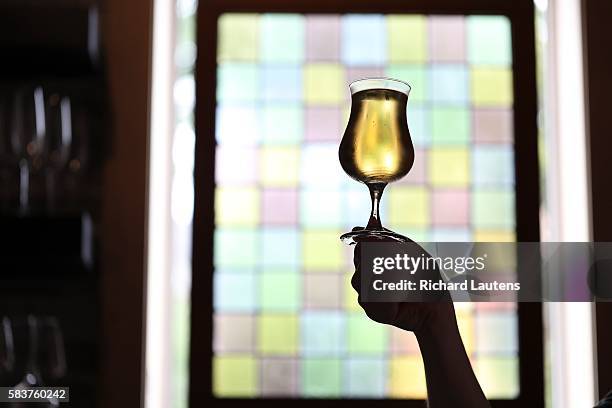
<point>379,83</point>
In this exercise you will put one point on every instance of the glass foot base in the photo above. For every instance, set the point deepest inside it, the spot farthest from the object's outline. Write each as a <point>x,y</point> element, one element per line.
<point>360,234</point>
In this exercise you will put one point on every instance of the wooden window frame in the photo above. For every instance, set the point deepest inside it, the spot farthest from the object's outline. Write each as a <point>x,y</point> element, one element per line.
<point>521,16</point>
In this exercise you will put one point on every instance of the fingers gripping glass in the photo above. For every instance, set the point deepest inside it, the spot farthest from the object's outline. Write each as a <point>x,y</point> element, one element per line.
<point>376,148</point>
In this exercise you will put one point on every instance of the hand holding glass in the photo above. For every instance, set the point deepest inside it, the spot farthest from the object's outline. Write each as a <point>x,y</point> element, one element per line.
<point>376,148</point>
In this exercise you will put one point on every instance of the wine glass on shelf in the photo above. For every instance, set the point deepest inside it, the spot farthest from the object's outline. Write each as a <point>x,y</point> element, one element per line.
<point>28,131</point>
<point>31,371</point>
<point>7,352</point>
<point>52,355</point>
<point>79,158</point>
<point>376,148</point>
<point>59,140</point>
<point>43,360</point>
<point>7,162</point>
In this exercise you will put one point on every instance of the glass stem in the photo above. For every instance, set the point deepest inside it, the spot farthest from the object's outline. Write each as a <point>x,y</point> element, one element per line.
<point>32,366</point>
<point>50,190</point>
<point>24,186</point>
<point>376,192</point>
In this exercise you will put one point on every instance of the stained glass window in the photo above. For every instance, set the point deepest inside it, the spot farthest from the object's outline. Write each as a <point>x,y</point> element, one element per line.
<point>286,319</point>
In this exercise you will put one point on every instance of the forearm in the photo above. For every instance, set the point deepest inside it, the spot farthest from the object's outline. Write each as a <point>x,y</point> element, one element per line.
<point>450,378</point>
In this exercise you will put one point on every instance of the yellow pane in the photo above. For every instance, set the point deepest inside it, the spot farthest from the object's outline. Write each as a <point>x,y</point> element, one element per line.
<point>346,114</point>
<point>324,84</point>
<point>235,376</point>
<point>279,166</point>
<point>238,37</point>
<point>492,86</point>
<point>277,334</point>
<point>449,167</point>
<point>350,295</point>
<point>407,378</point>
<point>498,376</point>
<point>408,206</point>
<point>465,321</point>
<point>463,307</point>
<point>236,206</point>
<point>494,236</point>
<point>322,250</point>
<point>407,38</point>
<point>500,258</point>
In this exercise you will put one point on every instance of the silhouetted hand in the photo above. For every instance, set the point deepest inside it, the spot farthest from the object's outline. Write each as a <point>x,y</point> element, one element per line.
<point>411,316</point>
<point>450,379</point>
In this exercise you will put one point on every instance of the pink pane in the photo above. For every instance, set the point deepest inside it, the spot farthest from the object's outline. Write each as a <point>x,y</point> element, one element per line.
<point>493,125</point>
<point>450,207</point>
<point>279,206</point>
<point>349,251</point>
<point>323,291</point>
<point>322,38</point>
<point>323,124</point>
<point>447,38</point>
<point>495,306</point>
<point>353,74</point>
<point>279,376</point>
<point>403,342</point>
<point>418,173</point>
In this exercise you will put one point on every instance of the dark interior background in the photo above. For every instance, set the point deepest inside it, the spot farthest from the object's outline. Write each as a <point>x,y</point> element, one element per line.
<point>101,309</point>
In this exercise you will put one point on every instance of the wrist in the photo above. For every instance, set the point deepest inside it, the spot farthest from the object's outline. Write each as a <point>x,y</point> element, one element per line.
<point>440,322</point>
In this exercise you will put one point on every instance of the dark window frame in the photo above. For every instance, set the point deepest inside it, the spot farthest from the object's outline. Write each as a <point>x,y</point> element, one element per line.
<point>521,15</point>
<point>598,84</point>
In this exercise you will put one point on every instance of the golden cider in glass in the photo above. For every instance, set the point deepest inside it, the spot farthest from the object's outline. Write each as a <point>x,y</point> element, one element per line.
<point>376,147</point>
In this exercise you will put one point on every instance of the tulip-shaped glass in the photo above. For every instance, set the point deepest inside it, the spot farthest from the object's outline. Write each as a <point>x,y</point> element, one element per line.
<point>376,148</point>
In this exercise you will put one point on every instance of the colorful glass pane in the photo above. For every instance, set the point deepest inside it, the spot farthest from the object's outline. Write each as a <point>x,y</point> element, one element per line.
<point>361,32</point>
<point>282,38</point>
<point>287,322</point>
<point>488,40</point>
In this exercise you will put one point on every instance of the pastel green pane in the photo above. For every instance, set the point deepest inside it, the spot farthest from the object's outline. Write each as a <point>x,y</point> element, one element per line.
<point>498,377</point>
<point>366,336</point>
<point>282,38</point>
<point>283,124</point>
<point>281,269</point>
<point>235,247</point>
<point>277,334</point>
<point>489,40</point>
<point>365,377</point>
<point>237,82</point>
<point>321,377</point>
<point>407,38</point>
<point>280,292</point>
<point>238,37</point>
<point>415,75</point>
<point>235,376</point>
<point>493,209</point>
<point>324,84</point>
<point>408,206</point>
<point>491,86</point>
<point>186,31</point>
<point>322,250</point>
<point>450,126</point>
<point>236,206</point>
